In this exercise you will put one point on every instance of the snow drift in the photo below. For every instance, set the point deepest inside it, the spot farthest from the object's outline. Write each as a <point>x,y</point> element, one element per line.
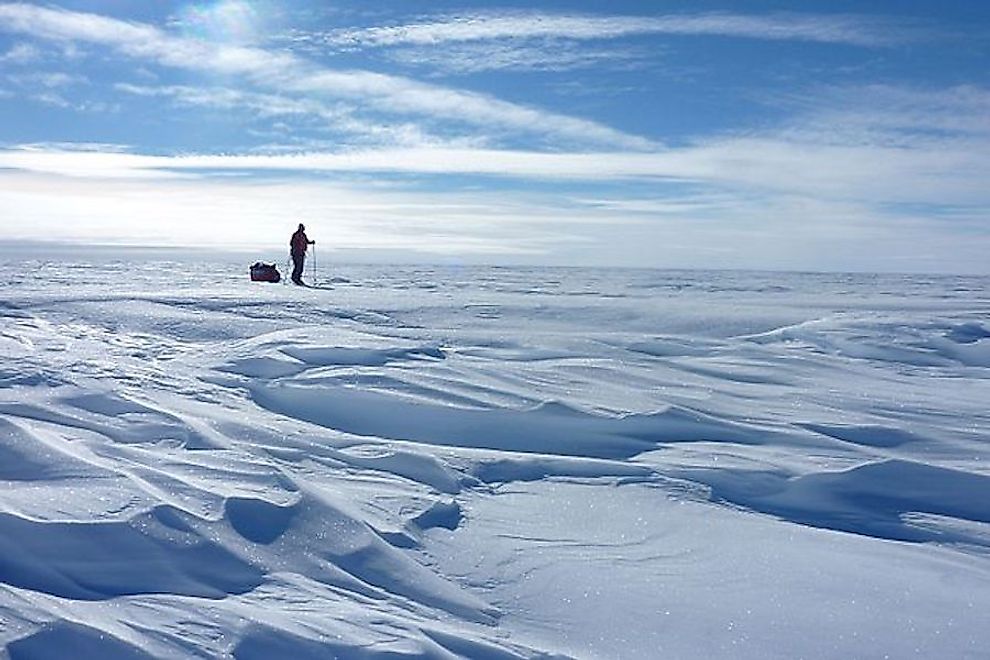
<point>492,463</point>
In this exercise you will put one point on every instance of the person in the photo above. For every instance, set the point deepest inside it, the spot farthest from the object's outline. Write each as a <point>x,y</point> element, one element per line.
<point>298,245</point>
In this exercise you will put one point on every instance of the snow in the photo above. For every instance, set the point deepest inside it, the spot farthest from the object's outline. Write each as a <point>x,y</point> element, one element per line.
<point>435,462</point>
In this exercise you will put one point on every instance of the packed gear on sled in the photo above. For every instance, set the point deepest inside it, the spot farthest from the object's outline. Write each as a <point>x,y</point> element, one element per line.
<point>262,272</point>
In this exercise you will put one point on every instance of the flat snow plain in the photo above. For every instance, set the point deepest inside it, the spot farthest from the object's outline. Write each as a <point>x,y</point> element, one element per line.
<point>436,462</point>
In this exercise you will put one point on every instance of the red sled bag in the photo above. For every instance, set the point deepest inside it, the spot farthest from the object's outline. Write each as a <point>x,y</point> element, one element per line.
<point>261,272</point>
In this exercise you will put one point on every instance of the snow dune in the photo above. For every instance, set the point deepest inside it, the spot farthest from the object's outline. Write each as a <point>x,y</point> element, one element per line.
<point>491,463</point>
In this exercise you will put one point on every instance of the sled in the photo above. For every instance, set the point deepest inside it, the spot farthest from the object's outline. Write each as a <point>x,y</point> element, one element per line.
<point>262,272</point>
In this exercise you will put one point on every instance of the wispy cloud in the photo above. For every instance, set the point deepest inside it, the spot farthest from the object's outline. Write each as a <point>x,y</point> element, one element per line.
<point>891,115</point>
<point>842,177</point>
<point>258,215</point>
<point>939,175</point>
<point>545,41</point>
<point>315,115</point>
<point>728,230</point>
<point>516,55</point>
<point>47,79</point>
<point>55,89</point>
<point>849,152</point>
<point>98,147</point>
<point>20,54</point>
<point>838,29</point>
<point>401,163</point>
<point>288,74</point>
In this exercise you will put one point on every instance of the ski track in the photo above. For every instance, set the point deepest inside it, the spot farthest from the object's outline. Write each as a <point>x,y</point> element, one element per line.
<point>492,463</point>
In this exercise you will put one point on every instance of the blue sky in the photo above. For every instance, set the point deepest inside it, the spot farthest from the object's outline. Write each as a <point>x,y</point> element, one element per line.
<point>813,135</point>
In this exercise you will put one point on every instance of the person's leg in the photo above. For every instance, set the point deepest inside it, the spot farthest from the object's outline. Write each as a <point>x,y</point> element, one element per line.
<point>298,260</point>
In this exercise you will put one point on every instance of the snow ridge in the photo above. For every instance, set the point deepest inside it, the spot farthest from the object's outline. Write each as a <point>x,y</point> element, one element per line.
<point>492,463</point>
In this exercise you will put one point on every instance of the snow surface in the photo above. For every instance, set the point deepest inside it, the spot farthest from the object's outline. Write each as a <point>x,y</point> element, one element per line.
<point>491,463</point>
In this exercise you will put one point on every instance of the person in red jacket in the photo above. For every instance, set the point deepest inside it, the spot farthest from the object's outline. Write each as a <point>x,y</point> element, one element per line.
<point>298,245</point>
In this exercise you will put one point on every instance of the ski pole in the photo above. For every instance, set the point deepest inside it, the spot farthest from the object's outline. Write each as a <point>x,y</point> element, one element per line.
<point>314,264</point>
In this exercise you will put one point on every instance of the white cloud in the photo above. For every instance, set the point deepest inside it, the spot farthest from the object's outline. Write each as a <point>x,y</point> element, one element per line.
<point>843,29</point>
<point>47,79</point>
<point>286,73</point>
<point>48,88</point>
<point>51,98</point>
<point>232,214</point>
<point>945,173</point>
<point>539,40</point>
<point>843,185</point>
<point>924,160</point>
<point>98,147</point>
<point>894,115</point>
<point>313,114</point>
<point>722,231</point>
<point>515,55</point>
<point>20,54</point>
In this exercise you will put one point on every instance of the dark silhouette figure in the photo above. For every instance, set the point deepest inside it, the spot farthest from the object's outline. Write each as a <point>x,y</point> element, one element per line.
<point>298,245</point>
